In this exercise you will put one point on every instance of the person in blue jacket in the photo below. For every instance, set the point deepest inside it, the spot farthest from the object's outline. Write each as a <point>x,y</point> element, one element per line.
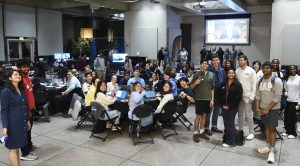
<point>14,116</point>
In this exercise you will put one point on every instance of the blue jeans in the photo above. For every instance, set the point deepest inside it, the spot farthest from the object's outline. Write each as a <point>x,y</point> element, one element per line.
<point>215,114</point>
<point>228,118</point>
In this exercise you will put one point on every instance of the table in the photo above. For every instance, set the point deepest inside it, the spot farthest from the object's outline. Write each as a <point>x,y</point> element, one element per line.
<point>53,91</point>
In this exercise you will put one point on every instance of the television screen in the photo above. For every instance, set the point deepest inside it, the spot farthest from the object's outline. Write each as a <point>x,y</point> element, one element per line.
<point>60,56</point>
<point>227,31</point>
<point>57,56</point>
<point>119,58</point>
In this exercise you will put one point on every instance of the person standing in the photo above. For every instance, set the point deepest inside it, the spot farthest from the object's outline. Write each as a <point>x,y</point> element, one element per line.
<point>203,53</point>
<point>220,53</point>
<point>166,57</point>
<point>128,65</point>
<point>99,67</point>
<point>160,55</point>
<point>203,85</point>
<point>183,56</point>
<point>219,75</point>
<point>229,96</point>
<point>24,67</point>
<point>233,56</point>
<point>14,115</point>
<point>268,96</point>
<point>293,102</point>
<point>247,77</point>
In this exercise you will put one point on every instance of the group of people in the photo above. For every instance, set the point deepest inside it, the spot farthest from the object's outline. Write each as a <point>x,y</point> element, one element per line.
<point>215,89</point>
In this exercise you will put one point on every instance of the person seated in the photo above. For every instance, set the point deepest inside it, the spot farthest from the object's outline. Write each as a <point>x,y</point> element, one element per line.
<point>136,78</point>
<point>75,73</point>
<point>105,101</point>
<point>154,80</point>
<point>87,84</point>
<point>125,79</point>
<point>62,101</point>
<point>82,77</point>
<point>112,87</point>
<point>186,94</point>
<point>167,96</point>
<point>94,75</point>
<point>89,97</point>
<point>184,69</point>
<point>136,99</point>
<point>167,77</point>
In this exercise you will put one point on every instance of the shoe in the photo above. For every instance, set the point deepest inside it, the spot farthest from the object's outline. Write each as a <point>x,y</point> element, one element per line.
<point>284,134</point>
<point>196,138</point>
<point>203,136</point>
<point>208,132</point>
<point>291,137</point>
<point>250,136</point>
<point>271,158</point>
<point>29,157</point>
<point>215,129</point>
<point>114,128</point>
<point>265,149</point>
<point>226,145</point>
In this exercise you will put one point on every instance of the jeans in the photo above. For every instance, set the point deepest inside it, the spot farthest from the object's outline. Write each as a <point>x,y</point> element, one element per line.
<point>228,118</point>
<point>215,114</point>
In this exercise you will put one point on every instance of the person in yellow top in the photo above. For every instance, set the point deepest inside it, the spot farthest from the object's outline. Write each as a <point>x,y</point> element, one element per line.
<point>90,96</point>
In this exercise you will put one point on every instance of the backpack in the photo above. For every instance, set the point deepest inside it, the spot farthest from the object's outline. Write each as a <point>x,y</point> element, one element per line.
<point>272,82</point>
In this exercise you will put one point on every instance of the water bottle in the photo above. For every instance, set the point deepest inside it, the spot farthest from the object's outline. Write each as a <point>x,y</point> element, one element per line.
<point>3,139</point>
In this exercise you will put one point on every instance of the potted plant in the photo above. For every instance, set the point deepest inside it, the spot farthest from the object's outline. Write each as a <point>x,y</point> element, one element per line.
<point>81,45</point>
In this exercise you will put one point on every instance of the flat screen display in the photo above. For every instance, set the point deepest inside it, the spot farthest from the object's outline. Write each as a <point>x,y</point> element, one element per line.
<point>61,56</point>
<point>119,58</point>
<point>227,31</point>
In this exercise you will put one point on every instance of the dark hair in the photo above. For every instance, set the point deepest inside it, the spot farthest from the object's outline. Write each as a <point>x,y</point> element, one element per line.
<point>267,63</point>
<point>203,60</point>
<point>98,88</point>
<point>89,73</point>
<point>258,62</point>
<point>277,70</point>
<point>288,74</point>
<point>10,85</point>
<point>134,85</point>
<point>226,77</point>
<point>184,79</point>
<point>23,62</point>
<point>244,57</point>
<point>127,72</point>
<point>215,56</point>
<point>168,92</point>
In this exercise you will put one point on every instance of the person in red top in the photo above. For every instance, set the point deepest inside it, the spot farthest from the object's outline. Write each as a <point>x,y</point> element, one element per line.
<point>24,66</point>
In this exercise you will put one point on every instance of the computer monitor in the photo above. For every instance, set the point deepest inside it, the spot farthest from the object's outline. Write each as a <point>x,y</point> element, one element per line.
<point>62,56</point>
<point>57,56</point>
<point>119,58</point>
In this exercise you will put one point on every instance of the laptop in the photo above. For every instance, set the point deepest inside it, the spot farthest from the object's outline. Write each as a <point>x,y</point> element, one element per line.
<point>121,94</point>
<point>150,95</point>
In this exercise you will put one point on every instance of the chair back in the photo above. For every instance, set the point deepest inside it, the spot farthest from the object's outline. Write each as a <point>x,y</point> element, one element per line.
<point>97,110</point>
<point>142,111</point>
<point>170,108</point>
<point>40,97</point>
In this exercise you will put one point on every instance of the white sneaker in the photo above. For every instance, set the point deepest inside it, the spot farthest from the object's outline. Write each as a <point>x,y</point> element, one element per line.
<point>250,136</point>
<point>298,127</point>
<point>226,145</point>
<point>284,134</point>
<point>291,137</point>
<point>265,149</point>
<point>271,158</point>
<point>29,157</point>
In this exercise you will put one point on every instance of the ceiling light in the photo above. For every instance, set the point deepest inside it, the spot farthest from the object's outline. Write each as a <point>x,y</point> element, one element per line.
<point>129,1</point>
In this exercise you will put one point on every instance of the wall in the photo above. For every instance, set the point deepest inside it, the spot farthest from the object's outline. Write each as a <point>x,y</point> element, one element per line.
<point>260,32</point>
<point>147,15</point>
<point>173,24</point>
<point>50,37</point>
<point>285,15</point>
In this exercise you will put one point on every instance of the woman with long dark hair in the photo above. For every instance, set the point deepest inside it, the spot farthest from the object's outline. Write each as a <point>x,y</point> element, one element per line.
<point>14,115</point>
<point>292,88</point>
<point>229,96</point>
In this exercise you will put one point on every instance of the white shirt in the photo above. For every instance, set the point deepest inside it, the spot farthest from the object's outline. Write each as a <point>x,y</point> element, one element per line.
<point>112,87</point>
<point>293,89</point>
<point>259,75</point>
<point>85,87</point>
<point>247,78</point>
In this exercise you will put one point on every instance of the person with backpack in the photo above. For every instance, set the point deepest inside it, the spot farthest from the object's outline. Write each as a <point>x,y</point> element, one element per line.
<point>268,96</point>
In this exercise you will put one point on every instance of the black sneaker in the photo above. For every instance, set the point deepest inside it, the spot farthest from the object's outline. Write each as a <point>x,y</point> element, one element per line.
<point>203,136</point>
<point>214,129</point>
<point>208,132</point>
<point>196,138</point>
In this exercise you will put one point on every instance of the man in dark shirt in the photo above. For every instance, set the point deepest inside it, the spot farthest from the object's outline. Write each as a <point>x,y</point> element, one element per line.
<point>125,79</point>
<point>186,94</point>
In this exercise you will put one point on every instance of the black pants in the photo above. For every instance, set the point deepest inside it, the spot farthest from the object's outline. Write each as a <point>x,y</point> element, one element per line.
<point>290,118</point>
<point>27,148</point>
<point>228,118</point>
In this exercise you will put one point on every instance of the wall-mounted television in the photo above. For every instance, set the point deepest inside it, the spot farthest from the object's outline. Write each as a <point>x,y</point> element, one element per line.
<point>228,29</point>
<point>119,58</point>
<point>62,56</point>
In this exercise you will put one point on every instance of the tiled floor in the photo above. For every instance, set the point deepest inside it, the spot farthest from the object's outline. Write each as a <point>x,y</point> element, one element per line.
<point>62,145</point>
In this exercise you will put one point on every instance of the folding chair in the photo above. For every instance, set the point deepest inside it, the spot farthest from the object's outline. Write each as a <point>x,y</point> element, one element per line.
<point>179,115</point>
<point>167,118</point>
<point>41,105</point>
<point>87,116</point>
<point>143,112</point>
<point>101,114</point>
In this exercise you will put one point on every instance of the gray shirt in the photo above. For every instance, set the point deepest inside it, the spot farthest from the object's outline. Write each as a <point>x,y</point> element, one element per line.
<point>72,84</point>
<point>99,64</point>
<point>267,92</point>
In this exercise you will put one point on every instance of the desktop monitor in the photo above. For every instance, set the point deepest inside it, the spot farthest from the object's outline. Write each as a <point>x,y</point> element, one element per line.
<point>62,56</point>
<point>119,58</point>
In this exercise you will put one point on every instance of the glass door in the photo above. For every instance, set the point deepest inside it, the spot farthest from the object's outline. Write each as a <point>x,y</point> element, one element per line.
<point>18,49</point>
